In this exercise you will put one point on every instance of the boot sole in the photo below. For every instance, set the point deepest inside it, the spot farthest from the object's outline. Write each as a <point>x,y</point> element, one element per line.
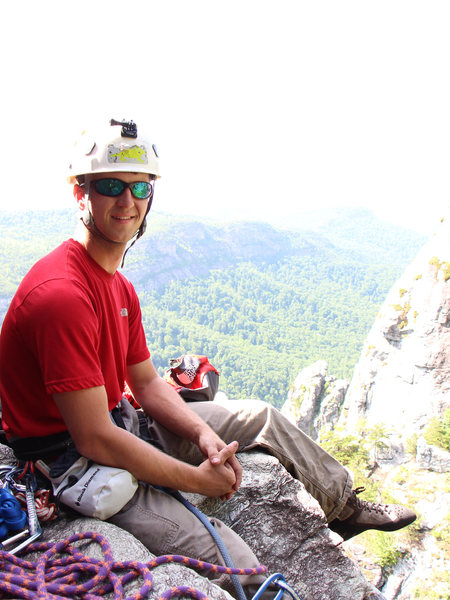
<point>347,532</point>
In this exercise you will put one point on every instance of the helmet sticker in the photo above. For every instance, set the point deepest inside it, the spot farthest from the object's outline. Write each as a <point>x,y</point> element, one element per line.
<point>127,154</point>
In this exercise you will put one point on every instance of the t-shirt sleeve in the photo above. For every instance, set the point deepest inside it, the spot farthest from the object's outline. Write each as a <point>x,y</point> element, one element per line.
<point>67,351</point>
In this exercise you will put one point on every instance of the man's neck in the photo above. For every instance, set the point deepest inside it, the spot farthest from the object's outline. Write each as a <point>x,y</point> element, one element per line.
<point>107,254</point>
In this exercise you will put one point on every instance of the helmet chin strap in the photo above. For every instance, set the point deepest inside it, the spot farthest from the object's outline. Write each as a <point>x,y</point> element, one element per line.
<point>139,233</point>
<point>88,221</point>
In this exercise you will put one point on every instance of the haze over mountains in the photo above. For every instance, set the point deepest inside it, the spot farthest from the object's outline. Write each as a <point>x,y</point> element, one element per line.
<point>261,302</point>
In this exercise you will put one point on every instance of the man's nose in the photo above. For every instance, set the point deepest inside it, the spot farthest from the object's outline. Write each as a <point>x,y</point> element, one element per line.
<point>125,198</point>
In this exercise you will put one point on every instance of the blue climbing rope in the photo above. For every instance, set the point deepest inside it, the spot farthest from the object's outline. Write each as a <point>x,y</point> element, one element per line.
<point>219,542</point>
<point>275,579</point>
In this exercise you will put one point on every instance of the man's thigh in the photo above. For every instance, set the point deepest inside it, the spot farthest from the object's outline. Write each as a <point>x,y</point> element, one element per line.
<point>240,421</point>
<point>165,526</point>
<point>253,424</point>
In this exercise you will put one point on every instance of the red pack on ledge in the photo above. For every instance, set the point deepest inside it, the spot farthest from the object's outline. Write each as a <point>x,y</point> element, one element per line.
<point>193,377</point>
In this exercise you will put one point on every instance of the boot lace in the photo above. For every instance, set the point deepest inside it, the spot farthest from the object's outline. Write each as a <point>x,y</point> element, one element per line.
<point>364,504</point>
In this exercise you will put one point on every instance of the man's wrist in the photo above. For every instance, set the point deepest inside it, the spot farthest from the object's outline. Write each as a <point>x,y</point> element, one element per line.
<point>199,431</point>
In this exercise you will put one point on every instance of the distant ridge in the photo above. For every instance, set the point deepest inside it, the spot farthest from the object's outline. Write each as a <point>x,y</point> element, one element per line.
<point>262,302</point>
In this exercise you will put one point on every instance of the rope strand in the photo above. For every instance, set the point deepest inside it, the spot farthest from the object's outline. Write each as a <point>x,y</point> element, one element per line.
<point>53,578</point>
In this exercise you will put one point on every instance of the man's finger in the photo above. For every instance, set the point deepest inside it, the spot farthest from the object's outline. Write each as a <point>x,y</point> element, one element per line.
<point>236,466</point>
<point>226,453</point>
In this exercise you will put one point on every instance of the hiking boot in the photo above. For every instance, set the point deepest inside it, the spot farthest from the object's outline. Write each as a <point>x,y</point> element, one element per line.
<point>369,515</point>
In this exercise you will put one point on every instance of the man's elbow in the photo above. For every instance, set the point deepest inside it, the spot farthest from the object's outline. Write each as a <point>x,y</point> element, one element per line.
<point>94,447</point>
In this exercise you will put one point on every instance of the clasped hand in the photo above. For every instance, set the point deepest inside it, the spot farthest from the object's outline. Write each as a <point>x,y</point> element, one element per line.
<point>221,469</point>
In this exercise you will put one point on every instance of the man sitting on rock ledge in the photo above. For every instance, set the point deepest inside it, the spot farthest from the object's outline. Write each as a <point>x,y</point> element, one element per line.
<point>73,336</point>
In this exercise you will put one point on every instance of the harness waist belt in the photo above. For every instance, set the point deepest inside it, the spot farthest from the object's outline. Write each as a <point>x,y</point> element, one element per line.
<point>34,448</point>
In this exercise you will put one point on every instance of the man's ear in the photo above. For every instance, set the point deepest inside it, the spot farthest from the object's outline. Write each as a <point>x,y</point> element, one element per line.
<point>79,194</point>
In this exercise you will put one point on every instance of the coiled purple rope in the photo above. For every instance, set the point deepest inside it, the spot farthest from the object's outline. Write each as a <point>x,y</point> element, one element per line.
<point>52,578</point>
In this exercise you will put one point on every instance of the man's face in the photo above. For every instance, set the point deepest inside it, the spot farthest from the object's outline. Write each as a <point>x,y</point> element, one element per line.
<point>118,217</point>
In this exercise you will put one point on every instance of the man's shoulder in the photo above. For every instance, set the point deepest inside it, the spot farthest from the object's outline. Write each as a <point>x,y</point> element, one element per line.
<point>53,263</point>
<point>51,275</point>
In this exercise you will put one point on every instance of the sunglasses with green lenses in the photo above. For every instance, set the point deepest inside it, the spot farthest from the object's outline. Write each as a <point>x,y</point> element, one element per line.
<point>114,187</point>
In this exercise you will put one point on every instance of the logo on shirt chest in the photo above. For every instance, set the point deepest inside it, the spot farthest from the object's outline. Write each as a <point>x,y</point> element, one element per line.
<point>123,312</point>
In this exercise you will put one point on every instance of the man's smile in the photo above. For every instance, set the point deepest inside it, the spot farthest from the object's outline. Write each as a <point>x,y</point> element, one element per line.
<point>129,218</point>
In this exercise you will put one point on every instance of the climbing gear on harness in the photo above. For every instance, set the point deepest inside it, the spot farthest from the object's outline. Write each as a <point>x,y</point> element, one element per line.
<point>45,509</point>
<point>10,484</point>
<point>12,517</point>
<point>193,377</point>
<point>107,575</point>
<point>370,515</point>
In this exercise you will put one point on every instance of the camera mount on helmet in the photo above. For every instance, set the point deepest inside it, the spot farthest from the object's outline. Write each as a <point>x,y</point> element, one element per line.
<point>129,128</point>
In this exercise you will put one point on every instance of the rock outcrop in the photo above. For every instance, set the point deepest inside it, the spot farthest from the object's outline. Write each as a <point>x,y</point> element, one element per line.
<point>315,400</point>
<point>402,381</point>
<point>182,250</point>
<point>273,512</point>
<point>431,457</point>
<point>403,376</point>
<point>287,530</point>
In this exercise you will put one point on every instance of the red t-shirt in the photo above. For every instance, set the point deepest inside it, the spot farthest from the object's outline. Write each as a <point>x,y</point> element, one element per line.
<point>70,326</point>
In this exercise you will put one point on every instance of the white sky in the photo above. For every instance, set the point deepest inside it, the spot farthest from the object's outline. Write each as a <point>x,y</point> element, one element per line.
<point>259,109</point>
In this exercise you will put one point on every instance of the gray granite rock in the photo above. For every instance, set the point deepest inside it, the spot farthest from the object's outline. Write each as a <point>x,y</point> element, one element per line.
<point>431,457</point>
<point>287,530</point>
<point>273,512</point>
<point>315,400</point>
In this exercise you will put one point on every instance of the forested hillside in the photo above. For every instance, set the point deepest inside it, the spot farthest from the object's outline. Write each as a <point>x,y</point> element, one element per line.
<point>261,302</point>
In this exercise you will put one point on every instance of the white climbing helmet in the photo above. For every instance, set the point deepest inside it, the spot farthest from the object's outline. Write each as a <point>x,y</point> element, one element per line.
<point>116,147</point>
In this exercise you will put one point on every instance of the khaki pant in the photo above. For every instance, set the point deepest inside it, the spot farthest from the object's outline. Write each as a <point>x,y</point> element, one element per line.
<point>165,526</point>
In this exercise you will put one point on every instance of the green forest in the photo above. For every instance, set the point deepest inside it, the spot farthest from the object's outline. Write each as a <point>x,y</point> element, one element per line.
<point>260,302</point>
<point>261,325</point>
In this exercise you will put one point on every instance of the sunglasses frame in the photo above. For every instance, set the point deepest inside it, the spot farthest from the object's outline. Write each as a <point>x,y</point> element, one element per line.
<point>126,185</point>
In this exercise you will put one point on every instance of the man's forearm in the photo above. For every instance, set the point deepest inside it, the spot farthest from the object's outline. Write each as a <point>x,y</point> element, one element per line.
<point>161,401</point>
<point>147,463</point>
<point>86,415</point>
<point>165,405</point>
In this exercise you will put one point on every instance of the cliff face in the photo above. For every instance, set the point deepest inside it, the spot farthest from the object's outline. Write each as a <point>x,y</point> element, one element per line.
<point>403,376</point>
<point>315,399</point>
<point>402,380</point>
<point>192,249</point>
